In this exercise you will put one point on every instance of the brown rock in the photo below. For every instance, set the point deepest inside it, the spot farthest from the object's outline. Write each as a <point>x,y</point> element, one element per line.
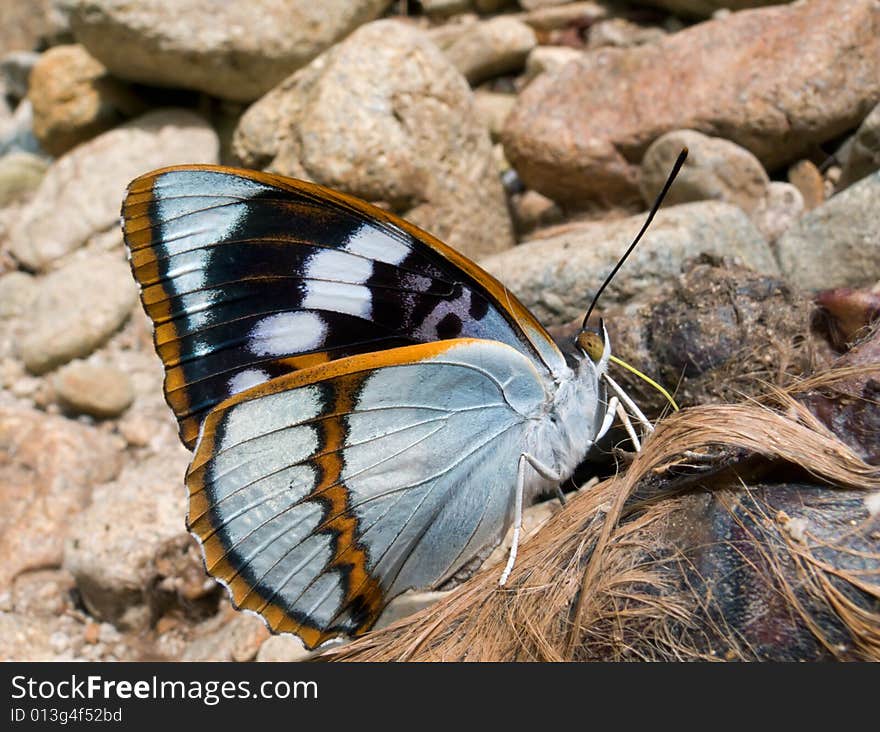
<point>74,98</point>
<point>48,466</point>
<point>230,636</point>
<point>386,117</point>
<point>775,81</point>
<point>805,176</point>
<point>557,17</point>
<point>543,59</point>
<point>43,592</point>
<point>493,108</point>
<point>282,649</point>
<point>99,391</point>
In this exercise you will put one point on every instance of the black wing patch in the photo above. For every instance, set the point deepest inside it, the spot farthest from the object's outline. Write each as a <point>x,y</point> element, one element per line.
<point>249,276</point>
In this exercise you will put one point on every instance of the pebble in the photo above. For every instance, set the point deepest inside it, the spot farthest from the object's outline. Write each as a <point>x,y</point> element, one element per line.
<point>549,59</point>
<point>75,99</point>
<point>81,192</point>
<point>386,117</point>
<point>97,390</point>
<point>111,549</point>
<point>778,210</point>
<point>492,109</point>
<point>836,244</point>
<point>76,310</point>
<point>805,176</point>
<point>282,649</point>
<point>715,170</point>
<point>492,48</point>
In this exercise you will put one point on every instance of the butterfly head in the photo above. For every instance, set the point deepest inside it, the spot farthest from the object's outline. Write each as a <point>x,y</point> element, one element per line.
<point>593,343</point>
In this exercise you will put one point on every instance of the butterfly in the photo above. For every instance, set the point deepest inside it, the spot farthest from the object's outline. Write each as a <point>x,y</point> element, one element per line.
<point>367,408</point>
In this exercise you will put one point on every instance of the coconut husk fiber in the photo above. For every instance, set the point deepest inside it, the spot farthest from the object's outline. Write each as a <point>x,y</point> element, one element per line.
<point>742,531</point>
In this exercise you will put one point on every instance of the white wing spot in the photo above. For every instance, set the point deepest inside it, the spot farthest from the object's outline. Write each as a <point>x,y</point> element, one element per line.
<point>375,244</point>
<point>246,379</point>
<point>286,333</point>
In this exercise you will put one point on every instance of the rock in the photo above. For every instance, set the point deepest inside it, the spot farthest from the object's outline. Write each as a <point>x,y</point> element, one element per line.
<point>250,48</point>
<point>48,466</point>
<point>83,190</point>
<point>557,17</point>
<point>557,276</point>
<point>282,649</point>
<point>43,592</point>
<point>406,604</point>
<point>836,244</point>
<point>532,210</point>
<point>112,548</point>
<point>230,636</point>
<point>74,99</point>
<point>23,23</point>
<point>579,134</point>
<point>25,638</point>
<point>863,157</point>
<point>778,210</point>
<point>715,170</point>
<point>15,72</point>
<point>708,8</point>
<point>716,334</point>
<point>99,391</point>
<point>20,175</point>
<point>805,176</point>
<point>77,309</point>
<point>543,59</point>
<point>384,116</point>
<point>622,33</point>
<point>17,291</point>
<point>492,109</point>
<point>492,48</point>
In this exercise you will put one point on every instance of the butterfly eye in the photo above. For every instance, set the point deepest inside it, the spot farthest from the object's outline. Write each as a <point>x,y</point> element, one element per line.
<point>591,343</point>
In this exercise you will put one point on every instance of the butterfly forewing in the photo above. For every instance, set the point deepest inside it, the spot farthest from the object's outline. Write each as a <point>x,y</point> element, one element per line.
<point>249,276</point>
<point>320,495</point>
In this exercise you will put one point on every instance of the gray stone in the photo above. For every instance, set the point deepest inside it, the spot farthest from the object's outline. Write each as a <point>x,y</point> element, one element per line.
<point>557,276</point>
<point>81,193</point>
<point>111,550</point>
<point>836,244</point>
<point>229,636</point>
<point>20,175</point>
<point>77,309</point>
<point>16,133</point>
<point>15,71</point>
<point>385,116</point>
<point>97,390</point>
<point>18,290</point>
<point>233,50</point>
<point>407,604</point>
<point>622,33</point>
<point>492,48</point>
<point>863,157</point>
<point>778,210</point>
<point>715,170</point>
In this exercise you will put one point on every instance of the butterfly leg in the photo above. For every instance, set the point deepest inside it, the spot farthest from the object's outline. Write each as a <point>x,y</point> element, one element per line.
<point>545,472</point>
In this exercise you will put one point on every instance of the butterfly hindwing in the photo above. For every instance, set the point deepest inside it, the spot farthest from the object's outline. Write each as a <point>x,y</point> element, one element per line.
<point>322,494</point>
<point>249,276</point>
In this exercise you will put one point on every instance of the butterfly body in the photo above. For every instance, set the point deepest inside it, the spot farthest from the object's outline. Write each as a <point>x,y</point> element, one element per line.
<point>360,398</point>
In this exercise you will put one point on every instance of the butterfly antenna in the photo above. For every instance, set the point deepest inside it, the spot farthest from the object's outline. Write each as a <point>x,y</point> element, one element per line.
<point>682,156</point>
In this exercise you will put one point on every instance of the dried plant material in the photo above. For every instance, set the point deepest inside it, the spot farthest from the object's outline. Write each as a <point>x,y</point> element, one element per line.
<point>684,560</point>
